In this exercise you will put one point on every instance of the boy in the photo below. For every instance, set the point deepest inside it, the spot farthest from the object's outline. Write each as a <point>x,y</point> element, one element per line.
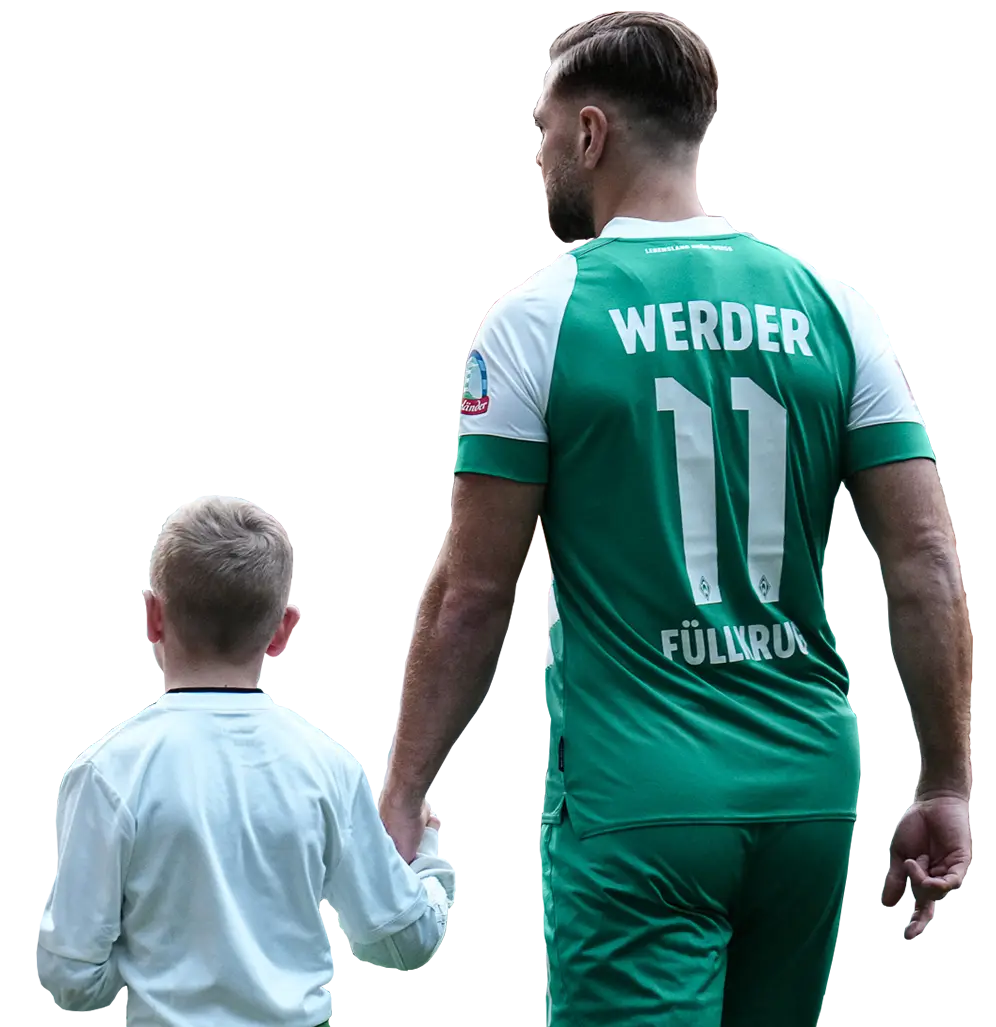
<point>197,840</point>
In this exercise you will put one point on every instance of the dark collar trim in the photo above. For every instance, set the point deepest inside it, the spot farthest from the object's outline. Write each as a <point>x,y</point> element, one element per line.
<point>238,691</point>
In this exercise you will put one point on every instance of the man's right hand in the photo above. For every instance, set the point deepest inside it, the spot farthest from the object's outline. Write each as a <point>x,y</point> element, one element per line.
<point>406,822</point>
<point>932,847</point>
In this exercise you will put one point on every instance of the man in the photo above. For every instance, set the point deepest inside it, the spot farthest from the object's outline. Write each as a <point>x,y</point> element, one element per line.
<point>198,839</point>
<point>680,403</point>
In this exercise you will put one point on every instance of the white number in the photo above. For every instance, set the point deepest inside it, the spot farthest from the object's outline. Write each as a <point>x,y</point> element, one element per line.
<point>695,449</point>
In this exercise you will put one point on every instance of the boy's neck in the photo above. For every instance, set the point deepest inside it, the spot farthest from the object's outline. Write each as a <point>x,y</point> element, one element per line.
<point>211,675</point>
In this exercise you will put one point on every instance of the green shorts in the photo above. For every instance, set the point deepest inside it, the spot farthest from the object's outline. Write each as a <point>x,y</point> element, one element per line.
<point>706,925</point>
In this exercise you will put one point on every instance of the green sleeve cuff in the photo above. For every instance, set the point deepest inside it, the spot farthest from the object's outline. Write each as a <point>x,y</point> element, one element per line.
<point>516,459</point>
<point>885,444</point>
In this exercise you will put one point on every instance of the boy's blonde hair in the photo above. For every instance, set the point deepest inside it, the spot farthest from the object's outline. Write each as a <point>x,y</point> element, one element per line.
<point>222,569</point>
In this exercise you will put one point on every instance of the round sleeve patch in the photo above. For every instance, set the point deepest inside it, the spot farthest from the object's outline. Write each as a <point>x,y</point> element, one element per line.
<point>475,385</point>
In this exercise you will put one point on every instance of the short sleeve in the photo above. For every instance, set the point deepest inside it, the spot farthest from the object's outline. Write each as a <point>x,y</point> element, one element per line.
<point>883,424</point>
<point>503,428</point>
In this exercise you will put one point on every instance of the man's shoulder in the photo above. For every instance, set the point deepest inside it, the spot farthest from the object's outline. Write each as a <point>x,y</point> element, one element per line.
<point>851,304</point>
<point>541,298</point>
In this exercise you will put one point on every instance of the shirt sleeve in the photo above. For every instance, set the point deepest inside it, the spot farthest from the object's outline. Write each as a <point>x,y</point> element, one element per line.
<point>503,429</point>
<point>884,423</point>
<point>413,946</point>
<point>77,958</point>
<point>393,914</point>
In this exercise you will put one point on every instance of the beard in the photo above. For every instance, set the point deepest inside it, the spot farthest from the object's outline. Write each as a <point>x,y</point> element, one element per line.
<point>568,200</point>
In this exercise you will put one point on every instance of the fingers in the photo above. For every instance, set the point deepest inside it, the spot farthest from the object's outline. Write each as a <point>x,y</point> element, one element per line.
<point>923,913</point>
<point>429,819</point>
<point>433,820</point>
<point>426,814</point>
<point>895,881</point>
<point>929,887</point>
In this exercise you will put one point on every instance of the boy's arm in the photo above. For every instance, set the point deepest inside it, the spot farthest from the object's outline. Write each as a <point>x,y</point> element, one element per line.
<point>393,914</point>
<point>77,961</point>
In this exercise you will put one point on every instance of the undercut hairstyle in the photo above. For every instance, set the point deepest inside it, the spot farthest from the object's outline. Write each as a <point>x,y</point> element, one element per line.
<point>652,66</point>
<point>222,569</point>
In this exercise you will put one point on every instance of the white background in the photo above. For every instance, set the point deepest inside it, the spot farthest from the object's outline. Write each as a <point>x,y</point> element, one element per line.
<point>245,249</point>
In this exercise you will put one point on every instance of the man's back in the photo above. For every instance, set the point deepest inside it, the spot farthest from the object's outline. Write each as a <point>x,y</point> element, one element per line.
<point>699,396</point>
<point>227,820</point>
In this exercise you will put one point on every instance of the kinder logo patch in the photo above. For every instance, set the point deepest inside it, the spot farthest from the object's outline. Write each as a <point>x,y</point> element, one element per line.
<point>475,386</point>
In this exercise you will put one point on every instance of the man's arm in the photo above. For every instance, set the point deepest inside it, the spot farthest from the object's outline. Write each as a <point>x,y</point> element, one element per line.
<point>77,958</point>
<point>459,632</point>
<point>902,510</point>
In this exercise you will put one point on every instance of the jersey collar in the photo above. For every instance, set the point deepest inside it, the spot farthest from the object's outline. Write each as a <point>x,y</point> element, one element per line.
<point>224,699</point>
<point>637,228</point>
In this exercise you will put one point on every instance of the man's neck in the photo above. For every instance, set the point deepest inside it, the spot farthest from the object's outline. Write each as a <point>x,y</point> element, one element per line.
<point>653,196</point>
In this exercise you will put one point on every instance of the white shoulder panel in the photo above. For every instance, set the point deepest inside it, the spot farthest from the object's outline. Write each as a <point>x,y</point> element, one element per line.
<point>507,384</point>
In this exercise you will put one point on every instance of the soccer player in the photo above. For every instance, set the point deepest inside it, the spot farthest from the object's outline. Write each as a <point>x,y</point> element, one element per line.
<point>198,839</point>
<point>680,402</point>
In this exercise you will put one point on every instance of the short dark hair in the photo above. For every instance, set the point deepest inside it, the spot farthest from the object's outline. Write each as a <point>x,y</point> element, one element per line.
<point>653,65</point>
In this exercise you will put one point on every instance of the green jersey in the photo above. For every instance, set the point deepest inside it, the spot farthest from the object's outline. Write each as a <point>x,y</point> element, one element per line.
<point>692,399</point>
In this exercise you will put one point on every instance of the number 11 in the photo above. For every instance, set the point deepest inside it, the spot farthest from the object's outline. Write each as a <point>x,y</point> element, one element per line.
<point>695,450</point>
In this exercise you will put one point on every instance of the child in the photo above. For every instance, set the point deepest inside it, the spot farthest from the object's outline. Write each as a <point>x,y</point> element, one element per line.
<point>197,840</point>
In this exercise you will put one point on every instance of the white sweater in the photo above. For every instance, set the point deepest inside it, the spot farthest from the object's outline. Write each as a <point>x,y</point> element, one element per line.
<point>196,843</point>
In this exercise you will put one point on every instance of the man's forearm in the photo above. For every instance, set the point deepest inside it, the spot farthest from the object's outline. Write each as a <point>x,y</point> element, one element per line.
<point>932,643</point>
<point>452,659</point>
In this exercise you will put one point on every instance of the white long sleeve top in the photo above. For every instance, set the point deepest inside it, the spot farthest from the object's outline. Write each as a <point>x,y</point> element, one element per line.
<point>196,843</point>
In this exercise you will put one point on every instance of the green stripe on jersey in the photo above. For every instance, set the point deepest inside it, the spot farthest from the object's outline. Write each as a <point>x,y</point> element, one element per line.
<point>885,444</point>
<point>516,459</point>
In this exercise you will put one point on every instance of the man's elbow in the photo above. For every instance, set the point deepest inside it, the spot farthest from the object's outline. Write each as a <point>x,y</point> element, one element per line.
<point>924,570</point>
<point>467,606</point>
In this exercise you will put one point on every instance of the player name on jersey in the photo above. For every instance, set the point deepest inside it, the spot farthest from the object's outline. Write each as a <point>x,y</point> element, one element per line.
<point>700,325</point>
<point>733,642</point>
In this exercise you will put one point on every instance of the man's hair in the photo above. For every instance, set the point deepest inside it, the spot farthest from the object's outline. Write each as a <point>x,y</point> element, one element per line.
<point>658,71</point>
<point>222,569</point>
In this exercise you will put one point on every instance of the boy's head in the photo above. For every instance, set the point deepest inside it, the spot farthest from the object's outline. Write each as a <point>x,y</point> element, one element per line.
<point>221,575</point>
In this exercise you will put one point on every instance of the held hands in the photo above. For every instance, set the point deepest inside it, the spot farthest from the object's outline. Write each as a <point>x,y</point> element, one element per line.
<point>406,823</point>
<point>431,820</point>
<point>932,847</point>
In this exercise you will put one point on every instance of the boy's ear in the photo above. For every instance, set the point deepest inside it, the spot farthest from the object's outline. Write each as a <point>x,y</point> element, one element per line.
<point>153,617</point>
<point>282,635</point>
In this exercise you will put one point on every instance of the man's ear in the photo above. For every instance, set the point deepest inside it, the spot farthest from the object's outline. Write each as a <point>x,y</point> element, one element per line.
<point>282,635</point>
<point>594,126</point>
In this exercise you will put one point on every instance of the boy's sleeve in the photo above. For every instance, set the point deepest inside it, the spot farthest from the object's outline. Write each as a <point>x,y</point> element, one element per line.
<point>82,920</point>
<point>393,914</point>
